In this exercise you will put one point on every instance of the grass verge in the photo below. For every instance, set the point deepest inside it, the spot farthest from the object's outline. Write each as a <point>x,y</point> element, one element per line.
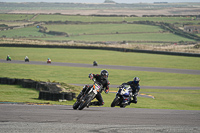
<point>175,99</point>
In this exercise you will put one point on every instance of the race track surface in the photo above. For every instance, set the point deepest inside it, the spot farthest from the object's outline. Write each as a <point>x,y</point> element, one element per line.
<point>56,118</point>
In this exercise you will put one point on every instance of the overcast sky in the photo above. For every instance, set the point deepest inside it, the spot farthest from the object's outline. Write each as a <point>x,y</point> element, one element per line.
<point>101,1</point>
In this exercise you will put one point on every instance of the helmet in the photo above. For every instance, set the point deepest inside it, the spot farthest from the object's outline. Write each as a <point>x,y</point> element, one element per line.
<point>104,73</point>
<point>136,80</point>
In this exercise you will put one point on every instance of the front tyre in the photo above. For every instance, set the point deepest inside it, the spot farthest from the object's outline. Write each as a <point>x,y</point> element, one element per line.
<point>115,102</point>
<point>76,104</point>
<point>85,103</point>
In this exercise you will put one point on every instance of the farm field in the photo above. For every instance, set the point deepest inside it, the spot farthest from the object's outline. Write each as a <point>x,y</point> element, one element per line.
<point>63,18</point>
<point>53,28</point>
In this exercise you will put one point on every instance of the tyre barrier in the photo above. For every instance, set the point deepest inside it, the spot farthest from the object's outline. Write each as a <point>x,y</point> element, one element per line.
<point>56,96</point>
<point>48,90</point>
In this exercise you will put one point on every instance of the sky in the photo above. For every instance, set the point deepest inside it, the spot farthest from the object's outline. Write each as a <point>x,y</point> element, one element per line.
<point>101,1</point>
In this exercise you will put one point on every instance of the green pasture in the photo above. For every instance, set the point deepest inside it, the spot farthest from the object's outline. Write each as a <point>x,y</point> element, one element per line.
<point>95,32</point>
<point>16,23</point>
<point>104,57</point>
<point>168,37</point>
<point>28,32</point>
<point>103,28</point>
<point>13,17</point>
<point>162,37</point>
<point>54,17</point>
<point>57,17</point>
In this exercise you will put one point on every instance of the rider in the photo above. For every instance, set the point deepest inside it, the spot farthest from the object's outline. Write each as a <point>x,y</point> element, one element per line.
<point>135,88</point>
<point>8,56</point>
<point>103,79</point>
<point>26,57</point>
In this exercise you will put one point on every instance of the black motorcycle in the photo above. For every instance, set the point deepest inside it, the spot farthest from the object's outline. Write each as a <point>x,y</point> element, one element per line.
<point>95,63</point>
<point>26,60</point>
<point>88,96</point>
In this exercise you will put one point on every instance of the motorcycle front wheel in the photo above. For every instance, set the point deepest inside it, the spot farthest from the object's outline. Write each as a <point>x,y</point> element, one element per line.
<point>85,103</point>
<point>115,102</point>
<point>76,104</point>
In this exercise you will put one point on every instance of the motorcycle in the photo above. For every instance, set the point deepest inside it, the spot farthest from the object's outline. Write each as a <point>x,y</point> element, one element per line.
<point>95,63</point>
<point>88,96</point>
<point>123,96</point>
<point>8,58</point>
<point>48,61</point>
<point>26,60</point>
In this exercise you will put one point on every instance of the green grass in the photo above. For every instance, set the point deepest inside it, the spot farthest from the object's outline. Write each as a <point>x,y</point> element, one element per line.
<point>73,75</point>
<point>143,31</point>
<point>15,93</point>
<point>44,17</point>
<point>103,28</point>
<point>128,37</point>
<point>177,99</point>
<point>172,100</point>
<point>106,58</point>
<point>12,17</point>
<point>164,99</point>
<point>23,32</point>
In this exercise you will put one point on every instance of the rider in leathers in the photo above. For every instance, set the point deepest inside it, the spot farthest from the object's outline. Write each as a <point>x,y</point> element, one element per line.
<point>135,89</point>
<point>103,79</point>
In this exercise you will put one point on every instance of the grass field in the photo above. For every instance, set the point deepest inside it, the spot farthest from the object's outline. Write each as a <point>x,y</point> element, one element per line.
<point>75,75</point>
<point>95,32</point>
<point>100,33</point>
<point>103,28</point>
<point>173,99</point>
<point>44,17</point>
<point>12,17</point>
<point>28,32</point>
<point>107,57</point>
<point>164,99</point>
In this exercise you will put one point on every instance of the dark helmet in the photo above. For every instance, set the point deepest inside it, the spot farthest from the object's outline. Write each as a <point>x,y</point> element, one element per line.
<point>136,80</point>
<point>104,73</point>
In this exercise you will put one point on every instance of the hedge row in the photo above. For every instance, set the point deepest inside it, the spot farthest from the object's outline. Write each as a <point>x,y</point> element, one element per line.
<point>48,90</point>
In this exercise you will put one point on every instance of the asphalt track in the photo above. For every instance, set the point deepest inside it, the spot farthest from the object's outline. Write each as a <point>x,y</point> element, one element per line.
<point>55,118</point>
<point>42,118</point>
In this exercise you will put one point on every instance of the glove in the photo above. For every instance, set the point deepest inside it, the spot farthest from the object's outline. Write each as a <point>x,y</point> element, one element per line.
<point>90,76</point>
<point>106,91</point>
<point>135,94</point>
